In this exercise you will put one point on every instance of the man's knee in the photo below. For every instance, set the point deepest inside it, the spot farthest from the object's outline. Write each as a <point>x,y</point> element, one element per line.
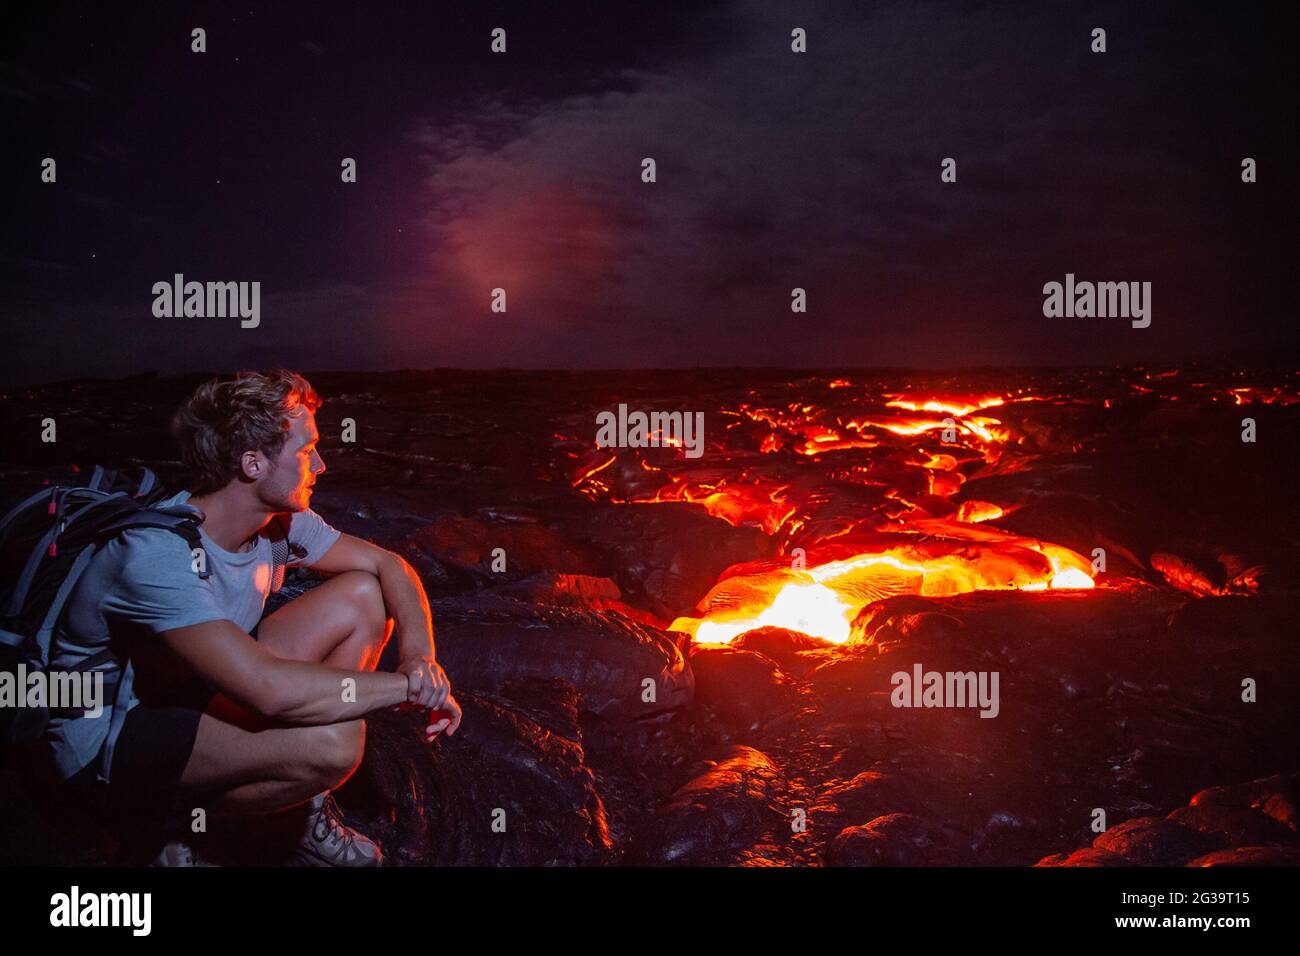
<point>334,751</point>
<point>364,597</point>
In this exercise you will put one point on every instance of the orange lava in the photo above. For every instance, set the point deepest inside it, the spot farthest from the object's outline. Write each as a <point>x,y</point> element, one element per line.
<point>906,456</point>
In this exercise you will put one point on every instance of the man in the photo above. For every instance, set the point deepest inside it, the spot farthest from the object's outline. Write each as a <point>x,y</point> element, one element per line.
<point>242,723</point>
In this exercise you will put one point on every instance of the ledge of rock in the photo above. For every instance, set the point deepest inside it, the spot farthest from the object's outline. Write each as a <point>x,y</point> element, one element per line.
<point>746,689</point>
<point>719,817</point>
<point>898,839</point>
<point>442,805</point>
<point>485,641</point>
<point>1246,824</point>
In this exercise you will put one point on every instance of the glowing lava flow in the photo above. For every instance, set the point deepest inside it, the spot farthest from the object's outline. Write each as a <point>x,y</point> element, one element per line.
<point>858,495</point>
<point>824,600</point>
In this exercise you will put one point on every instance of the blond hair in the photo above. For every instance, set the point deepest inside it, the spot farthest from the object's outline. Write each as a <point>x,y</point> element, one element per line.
<point>224,419</point>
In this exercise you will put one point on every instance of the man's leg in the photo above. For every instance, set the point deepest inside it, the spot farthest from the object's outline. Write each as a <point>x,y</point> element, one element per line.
<point>241,762</point>
<point>348,629</point>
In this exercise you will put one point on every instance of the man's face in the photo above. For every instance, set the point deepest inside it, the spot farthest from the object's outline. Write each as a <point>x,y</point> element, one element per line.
<point>288,484</point>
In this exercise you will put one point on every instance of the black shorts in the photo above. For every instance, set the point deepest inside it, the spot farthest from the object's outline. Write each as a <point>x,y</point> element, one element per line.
<point>152,750</point>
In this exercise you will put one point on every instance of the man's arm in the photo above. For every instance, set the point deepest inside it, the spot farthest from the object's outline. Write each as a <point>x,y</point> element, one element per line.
<point>406,602</point>
<point>404,595</point>
<point>296,692</point>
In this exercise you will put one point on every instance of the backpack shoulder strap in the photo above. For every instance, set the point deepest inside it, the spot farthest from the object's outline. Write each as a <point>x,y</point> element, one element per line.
<point>183,521</point>
<point>180,522</point>
<point>278,531</point>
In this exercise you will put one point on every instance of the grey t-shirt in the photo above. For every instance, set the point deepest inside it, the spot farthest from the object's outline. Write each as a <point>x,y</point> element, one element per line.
<point>142,583</point>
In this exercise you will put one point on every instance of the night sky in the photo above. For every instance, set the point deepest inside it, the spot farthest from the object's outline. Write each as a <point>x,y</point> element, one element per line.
<point>523,170</point>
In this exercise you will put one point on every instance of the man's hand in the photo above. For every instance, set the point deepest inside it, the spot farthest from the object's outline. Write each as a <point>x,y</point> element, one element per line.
<point>427,684</point>
<point>448,719</point>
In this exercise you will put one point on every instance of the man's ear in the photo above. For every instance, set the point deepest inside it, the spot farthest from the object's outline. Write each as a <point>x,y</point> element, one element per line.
<point>253,465</point>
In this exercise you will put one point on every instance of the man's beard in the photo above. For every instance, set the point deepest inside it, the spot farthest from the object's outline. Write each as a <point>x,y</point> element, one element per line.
<point>294,498</point>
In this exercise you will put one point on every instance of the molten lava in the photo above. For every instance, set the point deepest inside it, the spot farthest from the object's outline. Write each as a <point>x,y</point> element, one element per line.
<point>883,524</point>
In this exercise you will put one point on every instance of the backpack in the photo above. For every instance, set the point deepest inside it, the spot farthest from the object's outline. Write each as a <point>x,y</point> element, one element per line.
<point>46,542</point>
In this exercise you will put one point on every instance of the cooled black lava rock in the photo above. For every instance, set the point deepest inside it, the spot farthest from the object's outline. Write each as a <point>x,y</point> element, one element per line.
<point>1088,856</point>
<point>718,818</point>
<point>1245,824</point>
<point>622,669</point>
<point>898,839</point>
<point>903,618</point>
<point>1151,841</point>
<point>510,788</point>
<point>869,795</point>
<point>1251,856</point>
<point>747,690</point>
<point>665,557</point>
<point>781,644</point>
<point>1235,826</point>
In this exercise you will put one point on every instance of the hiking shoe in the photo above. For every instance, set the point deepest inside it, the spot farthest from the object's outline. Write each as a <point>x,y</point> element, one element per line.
<point>175,853</point>
<point>328,841</point>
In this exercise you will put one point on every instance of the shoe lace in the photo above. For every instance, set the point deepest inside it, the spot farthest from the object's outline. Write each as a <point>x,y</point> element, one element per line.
<point>329,825</point>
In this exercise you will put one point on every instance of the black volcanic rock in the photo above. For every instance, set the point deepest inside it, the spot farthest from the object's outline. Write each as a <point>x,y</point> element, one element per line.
<point>1275,796</point>
<point>782,645</point>
<point>903,618</point>
<point>869,795</point>
<point>747,690</point>
<point>1235,826</point>
<point>898,839</point>
<point>719,817</point>
<point>529,546</point>
<point>1245,824</point>
<point>1088,856</point>
<point>520,769</point>
<point>665,557</point>
<point>486,640</point>
<point>1251,856</point>
<point>1151,841</point>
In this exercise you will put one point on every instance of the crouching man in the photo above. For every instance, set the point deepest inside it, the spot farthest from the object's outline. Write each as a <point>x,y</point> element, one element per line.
<point>226,713</point>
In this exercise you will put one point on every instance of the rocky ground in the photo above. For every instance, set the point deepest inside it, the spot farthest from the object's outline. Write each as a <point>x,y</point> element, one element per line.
<point>600,736</point>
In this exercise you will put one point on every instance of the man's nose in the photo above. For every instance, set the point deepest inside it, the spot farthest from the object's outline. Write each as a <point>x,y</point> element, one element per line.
<point>320,462</point>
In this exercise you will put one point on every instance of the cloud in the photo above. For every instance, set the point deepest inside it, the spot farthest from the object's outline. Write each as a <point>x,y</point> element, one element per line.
<point>778,170</point>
